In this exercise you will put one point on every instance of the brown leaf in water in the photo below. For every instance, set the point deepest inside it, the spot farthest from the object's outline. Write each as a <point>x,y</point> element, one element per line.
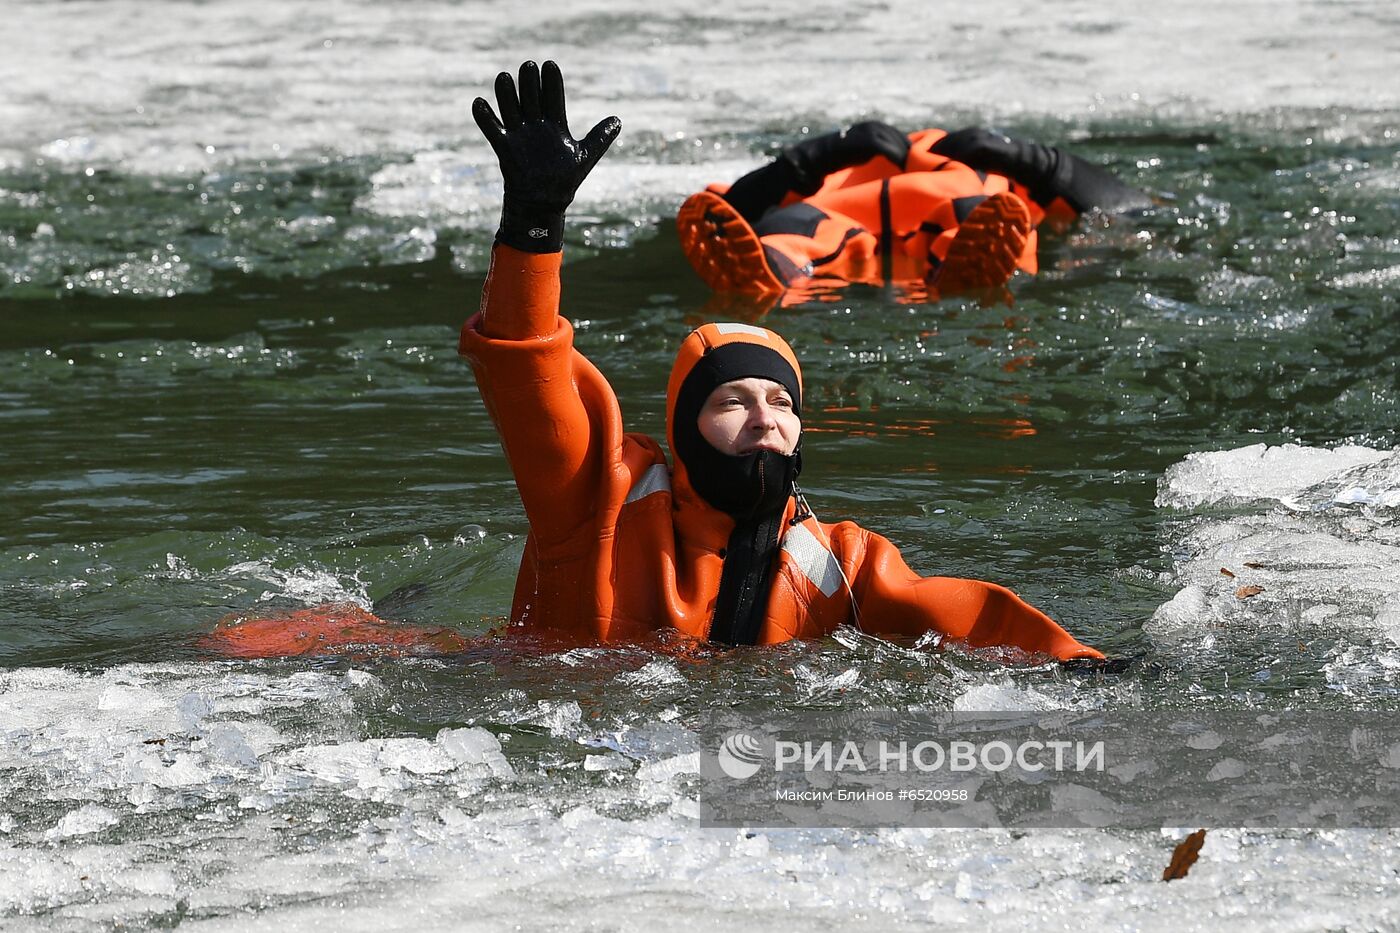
<point>1185,856</point>
<point>1245,592</point>
<point>1226,571</point>
<point>1254,565</point>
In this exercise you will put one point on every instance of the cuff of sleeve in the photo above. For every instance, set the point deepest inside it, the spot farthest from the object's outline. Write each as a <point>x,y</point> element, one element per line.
<point>515,363</point>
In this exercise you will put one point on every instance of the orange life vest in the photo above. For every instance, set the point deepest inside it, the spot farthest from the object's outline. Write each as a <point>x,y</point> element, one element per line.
<point>621,545</point>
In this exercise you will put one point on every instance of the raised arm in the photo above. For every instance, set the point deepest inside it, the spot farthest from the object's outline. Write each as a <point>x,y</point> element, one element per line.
<point>550,405</point>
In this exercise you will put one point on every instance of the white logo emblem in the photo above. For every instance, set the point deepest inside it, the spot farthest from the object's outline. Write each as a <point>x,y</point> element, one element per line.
<point>739,756</point>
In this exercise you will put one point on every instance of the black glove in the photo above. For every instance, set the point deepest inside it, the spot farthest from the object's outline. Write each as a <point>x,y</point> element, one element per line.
<point>814,159</point>
<point>1048,172</point>
<point>542,164</point>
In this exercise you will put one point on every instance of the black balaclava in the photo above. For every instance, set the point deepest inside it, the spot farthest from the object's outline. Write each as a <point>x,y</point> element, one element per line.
<point>746,485</point>
<point>752,488</point>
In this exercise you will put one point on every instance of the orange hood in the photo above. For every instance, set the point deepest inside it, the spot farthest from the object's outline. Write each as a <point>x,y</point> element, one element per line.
<point>700,343</point>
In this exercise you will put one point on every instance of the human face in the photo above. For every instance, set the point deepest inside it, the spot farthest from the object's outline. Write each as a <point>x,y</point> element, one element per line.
<point>750,414</point>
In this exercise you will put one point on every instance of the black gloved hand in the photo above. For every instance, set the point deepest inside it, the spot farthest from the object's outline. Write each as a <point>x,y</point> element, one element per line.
<point>542,163</point>
<point>1048,172</point>
<point>814,159</point>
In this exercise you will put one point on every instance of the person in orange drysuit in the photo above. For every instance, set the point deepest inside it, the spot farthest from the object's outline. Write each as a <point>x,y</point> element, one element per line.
<point>869,204</point>
<point>722,545</point>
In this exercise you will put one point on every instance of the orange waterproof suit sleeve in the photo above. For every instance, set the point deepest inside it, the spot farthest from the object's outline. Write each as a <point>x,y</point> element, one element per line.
<point>536,390</point>
<point>894,600</point>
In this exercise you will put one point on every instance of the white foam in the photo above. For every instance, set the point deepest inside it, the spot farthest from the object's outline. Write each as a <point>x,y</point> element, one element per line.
<point>308,585</point>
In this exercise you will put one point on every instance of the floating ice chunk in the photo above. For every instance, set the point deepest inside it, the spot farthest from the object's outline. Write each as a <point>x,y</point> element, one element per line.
<point>685,808</point>
<point>819,685</point>
<point>335,764</point>
<point>455,819</point>
<point>225,743</point>
<point>476,748</point>
<point>651,740</point>
<point>752,845</point>
<point>656,673</point>
<point>1186,613</point>
<point>90,818</point>
<point>418,756</point>
<point>1227,769</point>
<point>1205,741</point>
<point>1313,569</point>
<point>185,771</point>
<point>150,881</point>
<point>1084,804</point>
<point>559,718</point>
<point>363,680</point>
<point>1388,619</point>
<point>142,796</point>
<point>193,708</point>
<point>1253,473</point>
<point>1003,697</point>
<point>610,762</point>
<point>131,701</point>
<point>668,768</point>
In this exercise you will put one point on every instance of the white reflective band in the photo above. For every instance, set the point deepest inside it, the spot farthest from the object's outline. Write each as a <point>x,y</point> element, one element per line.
<point>814,560</point>
<point>656,479</point>
<point>742,329</point>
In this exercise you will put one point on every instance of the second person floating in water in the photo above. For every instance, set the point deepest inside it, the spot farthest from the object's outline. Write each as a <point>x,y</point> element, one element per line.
<point>951,213</point>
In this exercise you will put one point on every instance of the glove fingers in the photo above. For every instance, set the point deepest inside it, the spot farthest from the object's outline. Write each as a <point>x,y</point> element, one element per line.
<point>552,95</point>
<point>490,125</point>
<point>529,91</point>
<point>507,100</point>
<point>598,140</point>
